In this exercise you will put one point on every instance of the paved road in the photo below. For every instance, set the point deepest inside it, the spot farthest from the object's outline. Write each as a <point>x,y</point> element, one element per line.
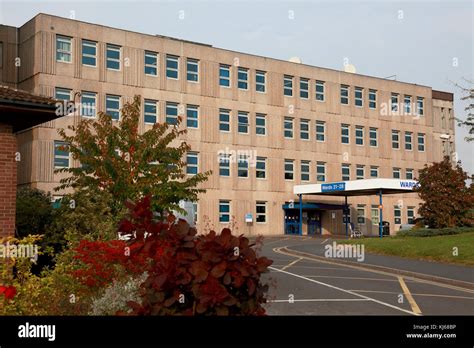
<point>302,286</point>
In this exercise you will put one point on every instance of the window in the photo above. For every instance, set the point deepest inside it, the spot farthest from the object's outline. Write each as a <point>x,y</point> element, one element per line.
<point>372,98</point>
<point>361,214</point>
<point>344,133</point>
<point>321,171</point>
<point>346,172</point>
<point>192,70</point>
<point>261,212</point>
<point>243,122</point>
<point>150,111</point>
<point>421,142</point>
<point>1,54</point>
<point>288,127</point>
<point>61,154</point>
<point>260,124</point>
<point>192,160</point>
<point>260,78</point>
<point>304,129</point>
<point>396,173</point>
<point>374,172</point>
<point>192,112</point>
<point>420,106</point>
<point>408,141</point>
<point>224,164</point>
<point>305,167</point>
<point>394,102</point>
<point>359,135</point>
<point>395,139</point>
<point>411,215</point>
<point>63,49</point>
<point>113,57</point>
<point>63,94</point>
<point>224,211</point>
<point>360,172</point>
<point>151,63</point>
<point>409,174</point>
<point>407,104</point>
<point>224,75</point>
<point>112,106</point>
<point>373,137</point>
<point>304,88</point>
<point>344,94</point>
<point>243,167</point>
<point>374,214</point>
<point>397,216</point>
<point>172,67</point>
<point>320,130</point>
<point>243,78</point>
<point>320,90</point>
<point>89,53</point>
<point>359,97</point>
<point>288,85</point>
<point>171,113</point>
<point>261,167</point>
<point>88,103</point>
<point>289,169</point>
<point>224,120</point>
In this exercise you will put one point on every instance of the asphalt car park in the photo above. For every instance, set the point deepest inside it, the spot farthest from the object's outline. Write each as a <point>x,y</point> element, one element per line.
<point>304,286</point>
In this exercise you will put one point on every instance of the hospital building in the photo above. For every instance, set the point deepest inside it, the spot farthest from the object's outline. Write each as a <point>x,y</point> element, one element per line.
<point>293,148</point>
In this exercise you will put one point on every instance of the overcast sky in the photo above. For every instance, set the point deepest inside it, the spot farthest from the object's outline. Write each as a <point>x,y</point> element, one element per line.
<point>424,42</point>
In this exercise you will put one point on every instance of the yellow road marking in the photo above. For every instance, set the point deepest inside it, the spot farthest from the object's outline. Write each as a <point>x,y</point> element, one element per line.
<point>291,264</point>
<point>409,297</point>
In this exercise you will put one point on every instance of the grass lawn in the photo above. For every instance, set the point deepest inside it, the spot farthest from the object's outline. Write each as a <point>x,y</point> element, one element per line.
<point>437,248</point>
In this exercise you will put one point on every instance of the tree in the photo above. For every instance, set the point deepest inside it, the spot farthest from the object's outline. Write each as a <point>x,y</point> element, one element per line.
<point>468,95</point>
<point>448,201</point>
<point>33,211</point>
<point>117,159</point>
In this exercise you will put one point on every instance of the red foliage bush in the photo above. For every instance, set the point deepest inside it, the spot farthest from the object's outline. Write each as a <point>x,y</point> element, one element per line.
<point>8,291</point>
<point>212,274</point>
<point>101,262</point>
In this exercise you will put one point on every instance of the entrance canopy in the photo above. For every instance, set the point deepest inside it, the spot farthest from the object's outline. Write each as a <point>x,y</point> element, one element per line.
<point>365,187</point>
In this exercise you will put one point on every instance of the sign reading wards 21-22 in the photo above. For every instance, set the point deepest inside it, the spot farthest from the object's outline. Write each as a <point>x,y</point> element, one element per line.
<point>335,186</point>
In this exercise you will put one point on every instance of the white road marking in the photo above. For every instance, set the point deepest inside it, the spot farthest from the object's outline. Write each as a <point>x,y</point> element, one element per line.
<point>416,280</point>
<point>344,290</point>
<point>357,278</point>
<point>415,294</point>
<point>292,263</point>
<point>324,241</point>
<point>321,300</point>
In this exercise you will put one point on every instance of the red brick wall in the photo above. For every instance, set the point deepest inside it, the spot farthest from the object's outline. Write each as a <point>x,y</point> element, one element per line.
<point>7,180</point>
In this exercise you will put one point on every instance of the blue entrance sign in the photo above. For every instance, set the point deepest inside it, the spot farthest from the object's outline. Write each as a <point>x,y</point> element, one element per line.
<point>335,186</point>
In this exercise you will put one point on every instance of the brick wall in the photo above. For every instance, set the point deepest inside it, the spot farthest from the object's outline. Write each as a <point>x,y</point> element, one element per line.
<point>7,180</point>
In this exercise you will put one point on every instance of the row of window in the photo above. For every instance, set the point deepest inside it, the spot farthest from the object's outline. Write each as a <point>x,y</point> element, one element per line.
<point>261,213</point>
<point>61,160</point>
<point>112,107</point>
<point>225,211</point>
<point>113,62</point>
<point>375,217</point>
